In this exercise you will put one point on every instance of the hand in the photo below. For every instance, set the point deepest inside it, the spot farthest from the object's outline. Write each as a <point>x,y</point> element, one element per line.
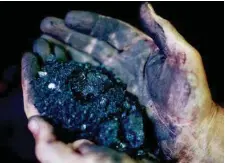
<point>49,150</point>
<point>163,70</point>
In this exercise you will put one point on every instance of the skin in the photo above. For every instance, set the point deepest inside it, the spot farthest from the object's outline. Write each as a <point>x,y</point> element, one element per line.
<point>158,66</point>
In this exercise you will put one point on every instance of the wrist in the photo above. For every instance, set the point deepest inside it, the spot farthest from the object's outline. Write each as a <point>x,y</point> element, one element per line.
<point>215,135</point>
<point>202,141</point>
<point>210,135</point>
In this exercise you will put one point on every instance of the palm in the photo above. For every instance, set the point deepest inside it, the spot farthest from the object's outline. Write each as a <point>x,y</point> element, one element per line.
<point>160,74</point>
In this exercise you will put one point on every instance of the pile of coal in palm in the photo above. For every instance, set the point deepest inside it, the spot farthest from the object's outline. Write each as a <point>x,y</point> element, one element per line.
<point>88,102</point>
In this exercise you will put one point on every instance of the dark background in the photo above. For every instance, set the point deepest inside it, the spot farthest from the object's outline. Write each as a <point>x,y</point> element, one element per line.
<point>201,24</point>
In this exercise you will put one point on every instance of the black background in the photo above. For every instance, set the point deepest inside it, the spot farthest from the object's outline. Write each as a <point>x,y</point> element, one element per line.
<point>201,24</point>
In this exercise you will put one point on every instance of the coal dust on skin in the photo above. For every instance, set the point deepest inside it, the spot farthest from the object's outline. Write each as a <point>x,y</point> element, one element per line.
<point>87,102</point>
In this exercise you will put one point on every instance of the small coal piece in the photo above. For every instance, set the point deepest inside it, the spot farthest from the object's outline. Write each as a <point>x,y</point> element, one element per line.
<point>82,101</point>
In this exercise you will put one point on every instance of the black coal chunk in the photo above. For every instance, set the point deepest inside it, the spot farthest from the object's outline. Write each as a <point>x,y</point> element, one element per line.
<point>84,101</point>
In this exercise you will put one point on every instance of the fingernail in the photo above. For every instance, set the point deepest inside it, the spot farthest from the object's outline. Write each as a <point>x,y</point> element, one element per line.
<point>33,126</point>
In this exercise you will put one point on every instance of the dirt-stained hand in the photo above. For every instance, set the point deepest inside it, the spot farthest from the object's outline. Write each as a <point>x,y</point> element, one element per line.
<point>159,66</point>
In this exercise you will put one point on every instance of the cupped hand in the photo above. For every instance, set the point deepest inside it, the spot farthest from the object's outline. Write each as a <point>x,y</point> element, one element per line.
<point>50,150</point>
<point>159,67</point>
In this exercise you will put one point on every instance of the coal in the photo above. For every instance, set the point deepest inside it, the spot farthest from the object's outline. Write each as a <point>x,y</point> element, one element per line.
<point>83,101</point>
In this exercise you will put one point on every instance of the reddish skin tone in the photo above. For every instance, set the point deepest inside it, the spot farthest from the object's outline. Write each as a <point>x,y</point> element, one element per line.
<point>166,74</point>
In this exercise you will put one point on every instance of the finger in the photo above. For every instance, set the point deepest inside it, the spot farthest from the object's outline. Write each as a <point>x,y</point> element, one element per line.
<point>163,33</point>
<point>30,66</point>
<point>78,145</point>
<point>43,49</point>
<point>29,70</point>
<point>72,53</point>
<point>59,53</point>
<point>96,48</point>
<point>47,148</point>
<point>86,148</point>
<point>117,33</point>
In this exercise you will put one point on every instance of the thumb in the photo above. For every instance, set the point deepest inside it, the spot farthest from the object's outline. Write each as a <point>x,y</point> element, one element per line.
<point>47,148</point>
<point>162,31</point>
<point>41,130</point>
<point>29,68</point>
<point>179,53</point>
<point>173,45</point>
